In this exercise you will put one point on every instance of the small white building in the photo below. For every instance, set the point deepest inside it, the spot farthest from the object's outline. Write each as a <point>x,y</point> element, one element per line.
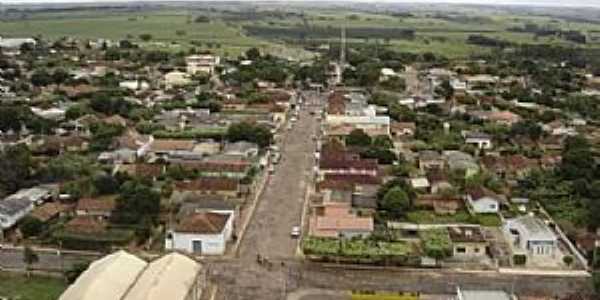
<point>16,43</point>
<point>483,201</point>
<point>387,73</point>
<point>202,64</point>
<point>241,148</point>
<point>479,140</point>
<point>134,85</point>
<point>176,78</point>
<point>463,294</point>
<point>36,195</point>
<point>530,234</point>
<point>202,233</point>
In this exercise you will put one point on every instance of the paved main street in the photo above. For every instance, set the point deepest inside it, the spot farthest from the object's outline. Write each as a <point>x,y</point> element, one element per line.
<point>280,206</point>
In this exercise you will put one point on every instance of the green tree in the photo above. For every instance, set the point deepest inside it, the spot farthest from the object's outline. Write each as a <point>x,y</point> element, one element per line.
<point>41,77</point>
<point>75,111</point>
<point>358,137</point>
<point>29,258</point>
<point>145,37</point>
<point>576,159</point>
<point>30,226</point>
<point>60,76</point>
<point>73,272</point>
<point>383,141</point>
<point>259,134</point>
<point>103,135</point>
<point>527,128</point>
<point>15,168</point>
<point>253,54</point>
<point>105,184</point>
<point>138,204</point>
<point>395,202</point>
<point>596,281</point>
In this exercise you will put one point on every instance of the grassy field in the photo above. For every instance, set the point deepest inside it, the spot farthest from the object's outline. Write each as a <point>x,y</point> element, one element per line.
<point>170,30</point>
<point>36,288</point>
<point>443,35</point>
<point>175,29</point>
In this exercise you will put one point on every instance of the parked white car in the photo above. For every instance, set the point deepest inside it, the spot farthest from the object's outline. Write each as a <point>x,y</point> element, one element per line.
<point>295,232</point>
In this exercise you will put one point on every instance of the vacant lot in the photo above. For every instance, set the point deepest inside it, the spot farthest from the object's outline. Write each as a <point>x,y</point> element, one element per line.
<point>35,288</point>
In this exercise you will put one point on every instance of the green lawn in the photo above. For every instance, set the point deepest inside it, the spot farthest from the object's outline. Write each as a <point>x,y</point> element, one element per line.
<point>36,288</point>
<point>164,26</point>
<point>429,217</point>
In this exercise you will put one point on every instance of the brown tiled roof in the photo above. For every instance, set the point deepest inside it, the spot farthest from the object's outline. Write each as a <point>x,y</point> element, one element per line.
<point>203,223</point>
<point>58,142</point>
<point>335,185</point>
<point>48,211</point>
<point>361,164</point>
<point>430,200</point>
<point>208,184</point>
<point>480,192</point>
<point>104,204</point>
<point>86,224</point>
<point>436,175</point>
<point>148,170</point>
<point>172,145</point>
<point>279,95</point>
<point>466,234</point>
<point>115,120</point>
<point>79,90</point>
<point>217,166</point>
<point>131,139</point>
<point>337,104</point>
<point>397,126</point>
<point>354,179</point>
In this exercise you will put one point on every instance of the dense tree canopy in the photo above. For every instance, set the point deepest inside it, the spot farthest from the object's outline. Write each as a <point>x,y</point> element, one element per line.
<point>255,133</point>
<point>138,203</point>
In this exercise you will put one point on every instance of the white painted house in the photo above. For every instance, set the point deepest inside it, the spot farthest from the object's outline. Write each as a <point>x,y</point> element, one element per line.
<point>479,140</point>
<point>202,64</point>
<point>202,233</point>
<point>483,201</point>
<point>530,234</point>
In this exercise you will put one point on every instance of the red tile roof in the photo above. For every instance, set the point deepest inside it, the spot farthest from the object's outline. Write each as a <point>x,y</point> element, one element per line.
<point>203,223</point>
<point>208,184</point>
<point>86,224</point>
<point>105,204</point>
<point>217,166</point>
<point>337,104</point>
<point>354,179</point>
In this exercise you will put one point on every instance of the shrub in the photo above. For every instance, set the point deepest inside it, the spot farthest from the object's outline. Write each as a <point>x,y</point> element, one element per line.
<point>568,260</point>
<point>519,259</point>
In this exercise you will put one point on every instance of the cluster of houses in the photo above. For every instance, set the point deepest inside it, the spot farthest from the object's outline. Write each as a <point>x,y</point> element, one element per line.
<point>345,201</point>
<point>218,175</point>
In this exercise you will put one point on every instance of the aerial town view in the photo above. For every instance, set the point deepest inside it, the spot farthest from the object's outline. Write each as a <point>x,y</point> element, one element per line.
<point>300,150</point>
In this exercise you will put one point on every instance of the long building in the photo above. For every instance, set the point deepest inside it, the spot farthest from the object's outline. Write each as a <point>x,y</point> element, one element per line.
<point>123,276</point>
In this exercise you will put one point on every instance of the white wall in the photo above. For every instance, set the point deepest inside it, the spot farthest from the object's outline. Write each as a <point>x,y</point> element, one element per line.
<point>212,244</point>
<point>484,205</point>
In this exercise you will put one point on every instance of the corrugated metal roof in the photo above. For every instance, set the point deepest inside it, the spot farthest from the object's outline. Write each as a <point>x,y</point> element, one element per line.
<point>170,277</point>
<point>108,278</point>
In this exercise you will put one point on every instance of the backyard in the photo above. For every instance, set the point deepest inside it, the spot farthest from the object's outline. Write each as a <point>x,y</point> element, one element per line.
<point>35,288</point>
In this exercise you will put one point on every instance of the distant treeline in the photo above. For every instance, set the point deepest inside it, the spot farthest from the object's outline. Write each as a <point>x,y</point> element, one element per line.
<point>569,35</point>
<point>330,32</point>
<point>486,41</point>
